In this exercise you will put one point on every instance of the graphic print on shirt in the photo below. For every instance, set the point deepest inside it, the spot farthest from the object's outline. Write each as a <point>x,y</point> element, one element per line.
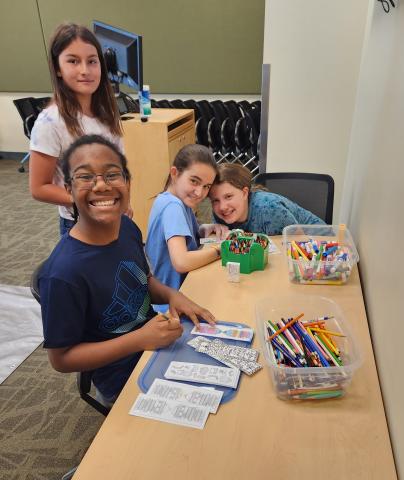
<point>130,302</point>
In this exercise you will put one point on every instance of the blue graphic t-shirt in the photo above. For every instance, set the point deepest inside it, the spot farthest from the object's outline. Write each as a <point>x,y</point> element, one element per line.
<point>91,293</point>
<point>269,213</point>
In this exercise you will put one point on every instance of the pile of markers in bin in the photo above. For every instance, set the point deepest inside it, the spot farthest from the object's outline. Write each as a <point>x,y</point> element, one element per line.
<point>315,261</point>
<point>304,344</point>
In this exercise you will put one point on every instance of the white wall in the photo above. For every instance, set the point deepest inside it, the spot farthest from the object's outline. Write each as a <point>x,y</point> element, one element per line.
<point>373,201</point>
<point>314,49</point>
<point>337,107</point>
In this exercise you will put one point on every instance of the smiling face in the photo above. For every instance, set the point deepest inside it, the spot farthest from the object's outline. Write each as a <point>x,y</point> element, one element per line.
<point>193,184</point>
<point>229,203</point>
<point>101,204</point>
<point>79,67</point>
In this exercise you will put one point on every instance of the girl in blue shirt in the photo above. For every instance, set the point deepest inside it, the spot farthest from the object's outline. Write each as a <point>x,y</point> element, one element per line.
<point>238,204</point>
<point>172,244</point>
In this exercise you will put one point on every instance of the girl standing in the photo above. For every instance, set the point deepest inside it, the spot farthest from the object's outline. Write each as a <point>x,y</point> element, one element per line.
<point>83,103</point>
<point>172,244</point>
<point>237,204</point>
<point>96,288</point>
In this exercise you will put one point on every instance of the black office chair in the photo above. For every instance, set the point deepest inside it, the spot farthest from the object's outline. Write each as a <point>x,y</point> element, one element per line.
<point>29,109</point>
<point>312,191</point>
<point>83,378</point>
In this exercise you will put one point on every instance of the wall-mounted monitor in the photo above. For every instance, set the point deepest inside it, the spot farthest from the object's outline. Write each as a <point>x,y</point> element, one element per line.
<point>123,55</point>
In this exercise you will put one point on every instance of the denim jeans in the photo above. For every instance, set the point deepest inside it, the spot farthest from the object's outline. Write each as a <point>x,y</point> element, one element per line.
<point>65,225</point>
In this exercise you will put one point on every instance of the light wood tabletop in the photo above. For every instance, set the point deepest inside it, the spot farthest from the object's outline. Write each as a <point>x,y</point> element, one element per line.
<point>255,435</point>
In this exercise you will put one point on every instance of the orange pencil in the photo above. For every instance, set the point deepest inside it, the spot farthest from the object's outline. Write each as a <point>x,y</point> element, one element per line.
<point>285,327</point>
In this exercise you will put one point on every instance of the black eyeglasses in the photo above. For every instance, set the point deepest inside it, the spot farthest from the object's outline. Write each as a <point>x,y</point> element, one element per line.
<point>87,181</point>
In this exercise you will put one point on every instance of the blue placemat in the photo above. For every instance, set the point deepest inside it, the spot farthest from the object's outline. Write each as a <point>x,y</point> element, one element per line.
<point>179,351</point>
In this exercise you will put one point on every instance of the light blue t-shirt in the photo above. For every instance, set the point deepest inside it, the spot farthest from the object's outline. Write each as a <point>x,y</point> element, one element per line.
<point>269,213</point>
<point>169,217</point>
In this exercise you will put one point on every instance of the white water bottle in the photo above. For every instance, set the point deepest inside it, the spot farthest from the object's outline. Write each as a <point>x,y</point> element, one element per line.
<point>144,103</point>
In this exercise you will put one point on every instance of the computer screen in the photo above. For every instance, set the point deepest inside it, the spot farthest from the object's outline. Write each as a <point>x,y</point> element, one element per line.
<point>123,55</point>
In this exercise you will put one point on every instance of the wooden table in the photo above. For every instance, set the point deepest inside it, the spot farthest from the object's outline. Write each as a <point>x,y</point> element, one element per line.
<point>255,435</point>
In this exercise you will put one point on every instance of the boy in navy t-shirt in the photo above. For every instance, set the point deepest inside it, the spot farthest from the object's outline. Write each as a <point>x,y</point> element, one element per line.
<point>96,288</point>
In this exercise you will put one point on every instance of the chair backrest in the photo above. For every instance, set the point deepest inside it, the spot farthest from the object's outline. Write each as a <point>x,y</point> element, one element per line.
<point>192,104</point>
<point>40,103</point>
<point>163,104</point>
<point>28,113</point>
<point>244,105</point>
<point>29,109</point>
<point>83,378</point>
<point>177,103</point>
<point>312,191</point>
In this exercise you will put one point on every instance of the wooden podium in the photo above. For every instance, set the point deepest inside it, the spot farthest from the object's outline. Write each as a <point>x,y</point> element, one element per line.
<point>150,148</point>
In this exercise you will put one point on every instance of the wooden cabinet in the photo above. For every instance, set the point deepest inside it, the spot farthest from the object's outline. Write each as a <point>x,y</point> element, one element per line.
<point>150,148</point>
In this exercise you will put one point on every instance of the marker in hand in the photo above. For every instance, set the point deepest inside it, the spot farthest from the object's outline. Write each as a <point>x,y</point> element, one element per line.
<point>173,323</point>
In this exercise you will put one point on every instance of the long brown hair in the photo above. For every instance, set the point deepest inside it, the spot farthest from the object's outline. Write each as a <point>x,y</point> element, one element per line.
<point>190,154</point>
<point>103,103</point>
<point>237,175</point>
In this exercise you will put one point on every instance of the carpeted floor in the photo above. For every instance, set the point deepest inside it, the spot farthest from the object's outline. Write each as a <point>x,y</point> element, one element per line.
<point>45,428</point>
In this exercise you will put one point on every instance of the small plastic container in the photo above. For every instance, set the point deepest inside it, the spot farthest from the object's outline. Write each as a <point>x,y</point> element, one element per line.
<point>308,383</point>
<point>319,254</point>
<point>249,250</point>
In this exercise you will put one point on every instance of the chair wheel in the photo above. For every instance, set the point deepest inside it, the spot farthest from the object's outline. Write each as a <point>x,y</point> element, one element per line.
<point>21,169</point>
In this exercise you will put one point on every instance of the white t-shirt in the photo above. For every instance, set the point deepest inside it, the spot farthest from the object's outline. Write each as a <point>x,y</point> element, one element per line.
<point>51,137</point>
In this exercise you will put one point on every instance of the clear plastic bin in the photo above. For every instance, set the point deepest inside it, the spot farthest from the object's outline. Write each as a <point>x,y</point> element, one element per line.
<point>308,383</point>
<point>319,254</point>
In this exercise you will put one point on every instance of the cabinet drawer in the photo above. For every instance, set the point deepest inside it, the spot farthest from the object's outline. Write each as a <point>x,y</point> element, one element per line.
<point>177,142</point>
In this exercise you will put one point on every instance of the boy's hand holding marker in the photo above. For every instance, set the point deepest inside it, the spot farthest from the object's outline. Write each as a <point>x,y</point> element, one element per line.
<point>160,332</point>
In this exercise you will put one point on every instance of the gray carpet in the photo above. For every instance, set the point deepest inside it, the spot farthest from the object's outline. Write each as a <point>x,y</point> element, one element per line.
<point>45,428</point>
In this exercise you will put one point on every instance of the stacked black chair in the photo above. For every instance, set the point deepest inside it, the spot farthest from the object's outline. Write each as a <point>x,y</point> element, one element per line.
<point>244,105</point>
<point>194,106</point>
<point>247,135</point>
<point>216,128</point>
<point>177,103</point>
<point>230,129</point>
<point>29,109</point>
<point>201,125</point>
<point>163,104</point>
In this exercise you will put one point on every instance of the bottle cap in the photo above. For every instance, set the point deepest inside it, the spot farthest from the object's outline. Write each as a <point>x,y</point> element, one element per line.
<point>146,87</point>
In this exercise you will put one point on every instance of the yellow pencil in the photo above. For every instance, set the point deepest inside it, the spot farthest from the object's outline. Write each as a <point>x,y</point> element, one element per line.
<point>329,332</point>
